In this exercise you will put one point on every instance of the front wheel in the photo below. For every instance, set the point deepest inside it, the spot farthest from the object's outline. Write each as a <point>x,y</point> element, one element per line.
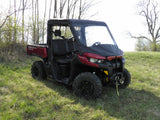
<point>87,85</point>
<point>123,81</point>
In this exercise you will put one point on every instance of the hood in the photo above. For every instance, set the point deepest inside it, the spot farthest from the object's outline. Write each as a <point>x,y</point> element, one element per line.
<point>103,50</point>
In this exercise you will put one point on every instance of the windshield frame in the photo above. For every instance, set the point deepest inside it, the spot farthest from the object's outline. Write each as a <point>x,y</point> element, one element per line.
<point>83,24</point>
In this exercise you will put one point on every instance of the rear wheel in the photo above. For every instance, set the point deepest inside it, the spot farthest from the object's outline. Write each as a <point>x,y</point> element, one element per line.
<point>87,85</point>
<point>37,71</point>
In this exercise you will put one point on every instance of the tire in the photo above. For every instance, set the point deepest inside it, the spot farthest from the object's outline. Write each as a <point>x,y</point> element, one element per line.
<point>87,85</point>
<point>37,71</point>
<point>125,82</point>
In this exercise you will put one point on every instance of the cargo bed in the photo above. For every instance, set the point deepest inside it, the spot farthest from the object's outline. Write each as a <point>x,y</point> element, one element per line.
<point>38,50</point>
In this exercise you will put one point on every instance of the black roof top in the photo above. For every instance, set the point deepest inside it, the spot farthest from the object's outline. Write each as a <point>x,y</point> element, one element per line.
<point>73,21</point>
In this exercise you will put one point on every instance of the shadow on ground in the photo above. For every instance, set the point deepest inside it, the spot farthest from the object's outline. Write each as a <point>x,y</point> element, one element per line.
<point>130,105</point>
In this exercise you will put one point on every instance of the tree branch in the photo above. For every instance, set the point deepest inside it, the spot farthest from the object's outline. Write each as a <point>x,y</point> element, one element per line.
<point>140,37</point>
<point>157,33</point>
<point>9,16</point>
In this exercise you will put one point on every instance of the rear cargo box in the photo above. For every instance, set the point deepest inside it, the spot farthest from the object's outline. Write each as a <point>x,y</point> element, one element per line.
<point>37,50</point>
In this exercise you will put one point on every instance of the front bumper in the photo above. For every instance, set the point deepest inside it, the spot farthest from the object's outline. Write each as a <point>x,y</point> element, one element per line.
<point>113,66</point>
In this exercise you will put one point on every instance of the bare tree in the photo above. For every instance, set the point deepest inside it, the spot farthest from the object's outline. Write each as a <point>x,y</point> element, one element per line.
<point>71,8</point>
<point>15,23</point>
<point>0,33</point>
<point>77,7</point>
<point>9,32</point>
<point>80,9</point>
<point>28,30</point>
<point>150,12</point>
<point>50,9</point>
<point>68,9</point>
<point>62,5</point>
<point>43,24</point>
<point>33,23</point>
<point>74,8</point>
<point>23,7</point>
<point>9,15</point>
<point>84,7</point>
<point>55,9</point>
<point>37,3</point>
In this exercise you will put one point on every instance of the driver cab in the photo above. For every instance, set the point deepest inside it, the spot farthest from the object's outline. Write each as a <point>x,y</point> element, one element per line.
<point>62,40</point>
<point>62,47</point>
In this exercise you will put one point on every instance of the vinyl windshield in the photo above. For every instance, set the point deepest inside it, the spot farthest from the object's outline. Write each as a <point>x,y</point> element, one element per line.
<point>93,35</point>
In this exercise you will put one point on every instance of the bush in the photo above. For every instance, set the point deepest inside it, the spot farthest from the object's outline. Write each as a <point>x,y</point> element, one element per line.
<point>11,51</point>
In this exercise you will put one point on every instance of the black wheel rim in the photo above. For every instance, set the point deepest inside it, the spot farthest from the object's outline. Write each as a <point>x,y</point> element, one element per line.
<point>121,80</point>
<point>86,88</point>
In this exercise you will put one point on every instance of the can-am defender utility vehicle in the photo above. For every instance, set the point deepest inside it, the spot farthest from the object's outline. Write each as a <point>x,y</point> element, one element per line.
<point>80,53</point>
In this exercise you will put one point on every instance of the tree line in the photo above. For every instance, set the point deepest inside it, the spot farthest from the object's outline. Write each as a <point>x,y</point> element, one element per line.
<point>25,20</point>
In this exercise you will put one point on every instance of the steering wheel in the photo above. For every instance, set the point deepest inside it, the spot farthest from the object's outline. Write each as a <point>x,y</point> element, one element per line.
<point>96,43</point>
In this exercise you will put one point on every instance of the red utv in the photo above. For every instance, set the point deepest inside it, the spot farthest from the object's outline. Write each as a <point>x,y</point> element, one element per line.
<point>80,53</point>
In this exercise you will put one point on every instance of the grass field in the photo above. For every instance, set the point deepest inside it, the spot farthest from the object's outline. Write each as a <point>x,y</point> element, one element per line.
<point>22,97</point>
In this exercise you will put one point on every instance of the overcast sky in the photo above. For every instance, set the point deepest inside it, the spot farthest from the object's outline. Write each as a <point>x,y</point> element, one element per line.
<point>120,15</point>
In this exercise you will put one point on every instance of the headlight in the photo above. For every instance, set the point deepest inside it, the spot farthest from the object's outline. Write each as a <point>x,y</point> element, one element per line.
<point>93,60</point>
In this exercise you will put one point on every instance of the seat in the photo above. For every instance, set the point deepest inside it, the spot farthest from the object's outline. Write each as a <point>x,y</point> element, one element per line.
<point>60,47</point>
<point>61,51</point>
